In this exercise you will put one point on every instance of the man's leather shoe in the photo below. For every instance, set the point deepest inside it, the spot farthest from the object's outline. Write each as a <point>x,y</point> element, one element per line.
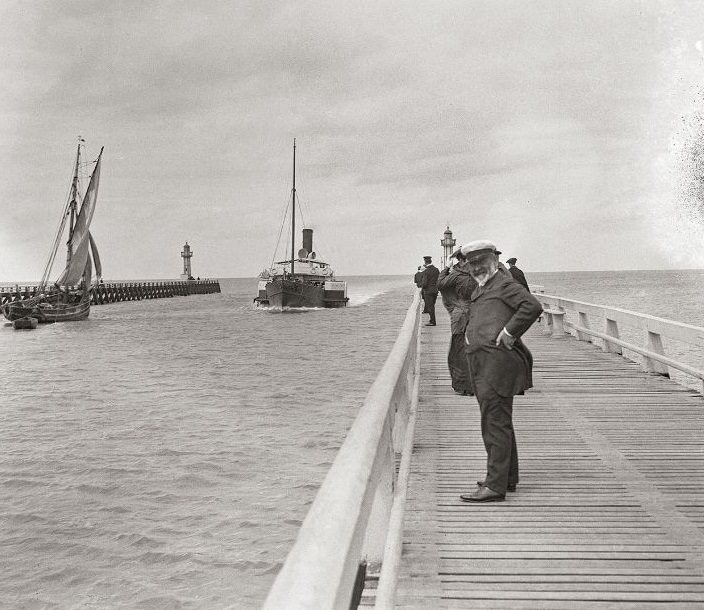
<point>509,487</point>
<point>431,324</point>
<point>483,494</point>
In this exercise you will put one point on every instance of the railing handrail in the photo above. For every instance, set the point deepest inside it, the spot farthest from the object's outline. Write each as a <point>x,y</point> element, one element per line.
<point>679,331</point>
<point>642,351</point>
<point>322,565</point>
<point>654,358</point>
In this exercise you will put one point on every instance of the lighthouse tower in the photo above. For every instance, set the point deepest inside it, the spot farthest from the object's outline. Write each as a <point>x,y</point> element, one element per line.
<point>186,256</point>
<point>448,246</point>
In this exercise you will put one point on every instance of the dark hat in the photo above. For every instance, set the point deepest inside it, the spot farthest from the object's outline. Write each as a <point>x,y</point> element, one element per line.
<point>512,261</point>
<point>427,258</point>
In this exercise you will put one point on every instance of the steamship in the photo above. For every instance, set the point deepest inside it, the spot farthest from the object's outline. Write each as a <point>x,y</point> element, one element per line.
<point>303,281</point>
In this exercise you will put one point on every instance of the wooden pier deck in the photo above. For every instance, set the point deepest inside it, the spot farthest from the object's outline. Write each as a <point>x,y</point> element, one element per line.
<point>609,511</point>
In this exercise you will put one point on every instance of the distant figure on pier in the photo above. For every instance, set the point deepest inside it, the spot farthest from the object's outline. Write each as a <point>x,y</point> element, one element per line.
<point>502,267</point>
<point>456,286</point>
<point>500,364</point>
<point>429,286</point>
<point>418,277</point>
<point>516,273</point>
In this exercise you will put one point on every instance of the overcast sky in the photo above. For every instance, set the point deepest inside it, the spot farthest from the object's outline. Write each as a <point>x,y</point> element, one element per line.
<point>567,132</point>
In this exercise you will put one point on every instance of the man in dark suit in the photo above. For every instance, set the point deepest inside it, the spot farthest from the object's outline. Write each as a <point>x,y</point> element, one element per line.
<point>429,286</point>
<point>516,273</point>
<point>500,364</point>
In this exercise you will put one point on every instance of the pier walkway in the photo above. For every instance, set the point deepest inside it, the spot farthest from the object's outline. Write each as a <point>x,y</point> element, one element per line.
<point>609,510</point>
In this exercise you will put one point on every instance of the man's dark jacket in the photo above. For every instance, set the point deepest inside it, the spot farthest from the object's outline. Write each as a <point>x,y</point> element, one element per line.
<point>429,283</point>
<point>500,303</point>
<point>519,277</point>
<point>456,288</point>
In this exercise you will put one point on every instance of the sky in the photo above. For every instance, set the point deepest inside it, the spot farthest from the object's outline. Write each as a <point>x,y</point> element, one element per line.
<point>569,133</point>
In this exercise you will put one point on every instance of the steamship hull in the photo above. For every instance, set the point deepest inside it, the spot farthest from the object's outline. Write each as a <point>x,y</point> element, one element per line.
<point>280,293</point>
<point>285,293</point>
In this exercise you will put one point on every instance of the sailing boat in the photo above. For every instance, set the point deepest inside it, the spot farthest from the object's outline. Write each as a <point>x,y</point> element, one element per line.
<point>303,281</point>
<point>68,298</point>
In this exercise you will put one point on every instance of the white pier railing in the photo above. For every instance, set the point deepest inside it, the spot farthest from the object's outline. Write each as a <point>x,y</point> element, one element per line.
<point>357,514</point>
<point>588,321</point>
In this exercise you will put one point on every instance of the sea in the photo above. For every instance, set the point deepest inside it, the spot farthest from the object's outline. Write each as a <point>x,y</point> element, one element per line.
<point>163,453</point>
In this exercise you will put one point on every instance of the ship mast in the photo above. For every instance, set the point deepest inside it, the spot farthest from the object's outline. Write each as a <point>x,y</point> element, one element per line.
<point>74,203</point>
<point>293,211</point>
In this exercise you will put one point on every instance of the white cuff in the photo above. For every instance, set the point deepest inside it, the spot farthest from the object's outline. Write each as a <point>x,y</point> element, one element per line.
<point>508,333</point>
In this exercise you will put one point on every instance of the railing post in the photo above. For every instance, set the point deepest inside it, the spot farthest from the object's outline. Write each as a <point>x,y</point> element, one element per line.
<point>653,366</point>
<point>612,331</point>
<point>547,319</point>
<point>584,323</point>
<point>558,323</point>
<point>377,526</point>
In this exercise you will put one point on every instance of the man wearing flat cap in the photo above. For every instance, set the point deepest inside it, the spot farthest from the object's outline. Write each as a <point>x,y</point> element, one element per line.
<point>516,273</point>
<point>429,287</point>
<point>500,364</point>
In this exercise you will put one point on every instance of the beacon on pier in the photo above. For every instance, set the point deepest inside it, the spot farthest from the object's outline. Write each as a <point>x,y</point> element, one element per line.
<point>448,246</point>
<point>186,255</point>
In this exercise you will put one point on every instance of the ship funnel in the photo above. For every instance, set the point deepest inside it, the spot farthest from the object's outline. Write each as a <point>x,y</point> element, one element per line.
<point>308,239</point>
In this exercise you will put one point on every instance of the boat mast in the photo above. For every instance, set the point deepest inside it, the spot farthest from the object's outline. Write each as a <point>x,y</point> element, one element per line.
<point>74,203</point>
<point>293,211</point>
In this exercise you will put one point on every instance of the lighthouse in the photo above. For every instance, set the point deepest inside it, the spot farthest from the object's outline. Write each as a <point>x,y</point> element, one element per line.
<point>448,246</point>
<point>186,255</point>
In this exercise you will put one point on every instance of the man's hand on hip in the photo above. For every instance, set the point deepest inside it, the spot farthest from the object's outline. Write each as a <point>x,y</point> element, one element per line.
<point>505,339</point>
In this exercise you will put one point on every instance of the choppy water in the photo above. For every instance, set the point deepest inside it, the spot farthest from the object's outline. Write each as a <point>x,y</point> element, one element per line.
<point>163,453</point>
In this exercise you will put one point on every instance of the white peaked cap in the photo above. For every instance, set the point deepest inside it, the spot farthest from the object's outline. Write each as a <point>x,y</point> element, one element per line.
<point>477,246</point>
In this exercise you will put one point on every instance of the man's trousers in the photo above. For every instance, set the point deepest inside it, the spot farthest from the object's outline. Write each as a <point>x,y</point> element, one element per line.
<point>498,435</point>
<point>430,298</point>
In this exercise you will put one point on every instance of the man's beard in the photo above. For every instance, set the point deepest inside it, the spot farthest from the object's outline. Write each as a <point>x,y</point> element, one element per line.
<point>484,274</point>
<point>481,278</point>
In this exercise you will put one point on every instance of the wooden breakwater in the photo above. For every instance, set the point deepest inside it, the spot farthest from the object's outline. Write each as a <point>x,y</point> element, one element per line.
<point>115,292</point>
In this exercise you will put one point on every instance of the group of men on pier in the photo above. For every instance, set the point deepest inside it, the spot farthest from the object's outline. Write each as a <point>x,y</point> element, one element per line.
<point>490,308</point>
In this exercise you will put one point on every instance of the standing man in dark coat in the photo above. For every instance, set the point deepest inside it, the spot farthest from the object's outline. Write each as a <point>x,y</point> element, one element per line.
<point>516,273</point>
<point>456,286</point>
<point>500,364</point>
<point>429,285</point>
